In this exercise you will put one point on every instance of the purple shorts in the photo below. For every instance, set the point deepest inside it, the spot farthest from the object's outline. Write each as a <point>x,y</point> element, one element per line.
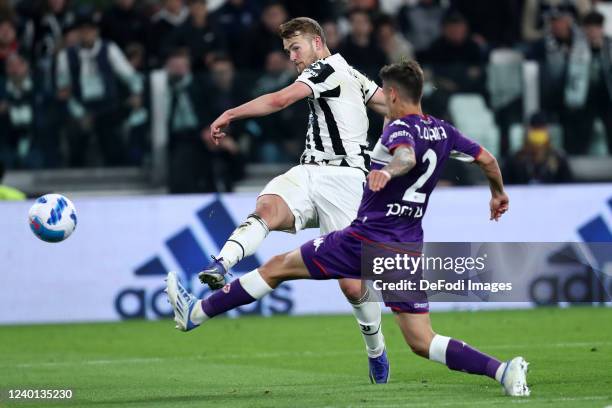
<point>337,255</point>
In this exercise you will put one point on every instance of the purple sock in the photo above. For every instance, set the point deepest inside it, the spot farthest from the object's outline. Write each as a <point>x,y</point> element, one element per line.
<point>226,299</point>
<point>462,357</point>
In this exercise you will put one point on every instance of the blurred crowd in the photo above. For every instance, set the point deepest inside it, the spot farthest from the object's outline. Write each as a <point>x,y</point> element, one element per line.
<point>75,83</point>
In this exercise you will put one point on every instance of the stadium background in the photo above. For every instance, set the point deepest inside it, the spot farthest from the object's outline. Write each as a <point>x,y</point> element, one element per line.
<point>135,163</point>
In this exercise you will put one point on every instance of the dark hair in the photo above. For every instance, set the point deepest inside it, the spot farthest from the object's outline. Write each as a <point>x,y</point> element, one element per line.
<point>593,18</point>
<point>407,75</point>
<point>1,171</point>
<point>561,10</point>
<point>222,57</point>
<point>87,16</point>
<point>180,52</point>
<point>453,17</point>
<point>385,19</point>
<point>299,26</point>
<point>7,19</point>
<point>538,120</point>
<point>273,3</point>
<point>356,11</point>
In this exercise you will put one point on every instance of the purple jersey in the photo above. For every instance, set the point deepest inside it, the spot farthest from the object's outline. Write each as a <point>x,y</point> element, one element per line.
<point>394,213</point>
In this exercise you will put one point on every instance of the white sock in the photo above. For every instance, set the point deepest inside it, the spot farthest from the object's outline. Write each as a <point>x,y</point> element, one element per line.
<point>500,372</point>
<point>368,315</point>
<point>244,241</point>
<point>437,348</point>
<point>254,284</point>
<point>197,314</point>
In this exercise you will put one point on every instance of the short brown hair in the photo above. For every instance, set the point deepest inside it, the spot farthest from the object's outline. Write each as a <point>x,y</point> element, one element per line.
<point>408,75</point>
<point>594,18</point>
<point>299,26</point>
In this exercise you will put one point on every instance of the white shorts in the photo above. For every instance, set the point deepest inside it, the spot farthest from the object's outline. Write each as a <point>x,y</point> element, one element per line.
<point>319,196</point>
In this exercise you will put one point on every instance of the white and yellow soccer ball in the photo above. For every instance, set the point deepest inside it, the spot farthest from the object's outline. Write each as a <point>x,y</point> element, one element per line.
<point>53,218</point>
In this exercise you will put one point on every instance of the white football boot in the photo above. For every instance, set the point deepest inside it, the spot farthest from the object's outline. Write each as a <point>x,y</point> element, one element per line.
<point>514,378</point>
<point>182,302</point>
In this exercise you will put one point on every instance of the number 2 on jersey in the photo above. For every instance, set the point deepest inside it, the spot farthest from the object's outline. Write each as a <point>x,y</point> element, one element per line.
<point>411,193</point>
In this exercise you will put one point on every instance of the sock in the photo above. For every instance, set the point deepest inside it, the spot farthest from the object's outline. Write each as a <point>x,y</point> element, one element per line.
<point>244,241</point>
<point>247,289</point>
<point>367,313</point>
<point>459,356</point>
<point>500,372</point>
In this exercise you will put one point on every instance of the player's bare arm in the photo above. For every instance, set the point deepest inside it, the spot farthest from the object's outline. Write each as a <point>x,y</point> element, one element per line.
<point>499,199</point>
<point>402,162</point>
<point>377,103</point>
<point>260,106</point>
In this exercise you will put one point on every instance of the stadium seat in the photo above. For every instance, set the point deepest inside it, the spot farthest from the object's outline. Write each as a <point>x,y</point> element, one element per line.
<point>504,77</point>
<point>606,10</point>
<point>598,145</point>
<point>471,116</point>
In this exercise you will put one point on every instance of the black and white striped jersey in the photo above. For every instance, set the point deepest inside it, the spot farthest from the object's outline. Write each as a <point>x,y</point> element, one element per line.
<point>338,122</point>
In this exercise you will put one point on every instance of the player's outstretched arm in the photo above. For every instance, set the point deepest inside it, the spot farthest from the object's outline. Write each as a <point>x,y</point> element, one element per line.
<point>260,106</point>
<point>402,162</point>
<point>377,103</point>
<point>499,199</point>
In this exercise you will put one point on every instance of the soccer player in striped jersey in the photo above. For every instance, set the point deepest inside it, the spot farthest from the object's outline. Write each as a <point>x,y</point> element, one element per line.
<point>325,188</point>
<point>407,162</point>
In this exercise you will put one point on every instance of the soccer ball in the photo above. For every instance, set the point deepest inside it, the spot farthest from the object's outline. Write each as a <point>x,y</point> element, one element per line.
<point>52,218</point>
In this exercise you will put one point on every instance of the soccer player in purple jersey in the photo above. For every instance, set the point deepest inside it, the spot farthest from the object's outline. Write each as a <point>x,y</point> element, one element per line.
<point>407,161</point>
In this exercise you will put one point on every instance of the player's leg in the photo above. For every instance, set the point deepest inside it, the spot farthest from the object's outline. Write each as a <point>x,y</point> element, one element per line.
<point>271,213</point>
<point>337,194</point>
<point>367,312</point>
<point>190,312</point>
<point>459,356</point>
<point>274,211</point>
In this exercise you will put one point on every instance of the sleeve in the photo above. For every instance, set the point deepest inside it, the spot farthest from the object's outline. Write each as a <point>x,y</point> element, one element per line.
<point>319,77</point>
<point>464,149</point>
<point>123,69</point>
<point>62,73</point>
<point>369,87</point>
<point>76,110</point>
<point>398,133</point>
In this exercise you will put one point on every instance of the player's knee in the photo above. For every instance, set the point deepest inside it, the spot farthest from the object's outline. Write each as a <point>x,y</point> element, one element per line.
<point>266,209</point>
<point>275,270</point>
<point>274,212</point>
<point>351,289</point>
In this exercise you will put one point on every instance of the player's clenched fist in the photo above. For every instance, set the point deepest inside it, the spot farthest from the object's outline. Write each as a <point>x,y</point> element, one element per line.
<point>499,205</point>
<point>378,179</point>
<point>216,128</point>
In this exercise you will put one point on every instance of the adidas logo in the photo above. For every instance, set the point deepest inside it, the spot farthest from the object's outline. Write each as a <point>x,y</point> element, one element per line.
<point>192,256</point>
<point>597,230</point>
<point>189,254</point>
<point>590,284</point>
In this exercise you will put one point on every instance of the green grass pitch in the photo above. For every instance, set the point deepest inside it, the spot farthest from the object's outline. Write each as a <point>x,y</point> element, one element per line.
<point>315,361</point>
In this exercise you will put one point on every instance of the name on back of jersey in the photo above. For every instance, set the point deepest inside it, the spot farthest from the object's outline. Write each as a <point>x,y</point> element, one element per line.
<point>435,133</point>
<point>431,133</point>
